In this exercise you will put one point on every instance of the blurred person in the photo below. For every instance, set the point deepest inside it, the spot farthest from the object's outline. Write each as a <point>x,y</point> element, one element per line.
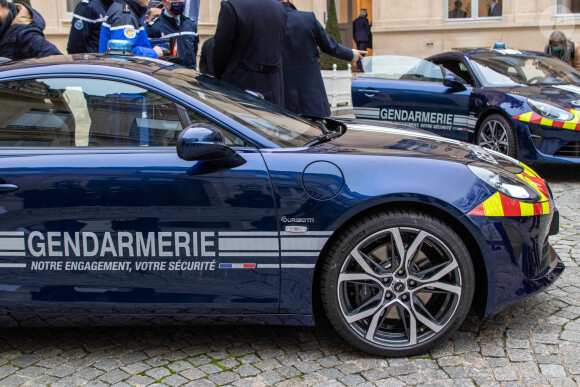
<point>205,59</point>
<point>304,91</point>
<point>457,12</point>
<point>21,33</point>
<point>154,9</point>
<point>494,8</point>
<point>560,47</point>
<point>172,23</point>
<point>123,22</point>
<point>85,30</point>
<point>248,46</point>
<point>361,30</point>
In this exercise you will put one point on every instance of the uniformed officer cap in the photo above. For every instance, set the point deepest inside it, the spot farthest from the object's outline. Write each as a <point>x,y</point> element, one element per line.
<point>155,4</point>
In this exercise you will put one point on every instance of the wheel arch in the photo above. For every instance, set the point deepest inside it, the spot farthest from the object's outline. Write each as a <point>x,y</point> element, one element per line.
<point>488,112</point>
<point>481,285</point>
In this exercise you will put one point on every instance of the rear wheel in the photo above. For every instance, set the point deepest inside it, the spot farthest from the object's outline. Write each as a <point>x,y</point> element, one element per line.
<point>496,133</point>
<point>397,283</point>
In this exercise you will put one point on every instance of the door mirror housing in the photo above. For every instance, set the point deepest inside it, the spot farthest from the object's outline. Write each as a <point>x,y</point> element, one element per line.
<point>454,82</point>
<point>203,142</point>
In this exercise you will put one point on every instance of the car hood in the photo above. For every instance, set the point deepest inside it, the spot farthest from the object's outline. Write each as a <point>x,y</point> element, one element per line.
<point>363,137</point>
<point>568,96</point>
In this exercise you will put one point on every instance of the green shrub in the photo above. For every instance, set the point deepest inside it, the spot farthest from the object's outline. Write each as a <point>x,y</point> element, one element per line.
<point>332,30</point>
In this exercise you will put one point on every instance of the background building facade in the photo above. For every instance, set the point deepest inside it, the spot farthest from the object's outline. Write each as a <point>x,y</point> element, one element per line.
<point>403,27</point>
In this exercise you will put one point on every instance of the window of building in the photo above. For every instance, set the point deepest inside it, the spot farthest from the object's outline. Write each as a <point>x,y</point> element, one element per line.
<point>459,10</point>
<point>71,5</point>
<point>567,7</point>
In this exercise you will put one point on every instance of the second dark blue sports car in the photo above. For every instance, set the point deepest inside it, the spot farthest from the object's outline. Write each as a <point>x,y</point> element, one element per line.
<point>135,190</point>
<point>520,103</point>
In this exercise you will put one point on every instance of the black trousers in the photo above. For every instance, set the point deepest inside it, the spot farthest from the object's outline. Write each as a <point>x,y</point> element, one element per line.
<point>362,46</point>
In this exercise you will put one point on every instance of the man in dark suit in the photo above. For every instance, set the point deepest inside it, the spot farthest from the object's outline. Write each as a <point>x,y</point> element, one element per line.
<point>361,31</point>
<point>248,46</point>
<point>494,8</point>
<point>304,91</point>
<point>457,12</point>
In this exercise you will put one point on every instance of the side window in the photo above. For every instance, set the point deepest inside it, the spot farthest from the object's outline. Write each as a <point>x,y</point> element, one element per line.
<point>459,69</point>
<point>85,113</point>
<point>230,139</point>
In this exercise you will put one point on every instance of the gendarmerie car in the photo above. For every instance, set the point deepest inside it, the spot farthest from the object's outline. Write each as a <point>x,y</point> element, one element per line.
<point>521,103</point>
<point>136,190</point>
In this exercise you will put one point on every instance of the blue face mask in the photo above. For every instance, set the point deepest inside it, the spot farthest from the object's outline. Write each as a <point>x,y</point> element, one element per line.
<point>177,8</point>
<point>557,48</point>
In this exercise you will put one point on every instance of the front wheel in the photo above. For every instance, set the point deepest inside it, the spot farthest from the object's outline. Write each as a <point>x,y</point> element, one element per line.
<point>397,283</point>
<point>496,133</point>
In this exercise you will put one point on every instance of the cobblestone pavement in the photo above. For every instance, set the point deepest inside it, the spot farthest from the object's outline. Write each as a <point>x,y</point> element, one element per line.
<point>533,343</point>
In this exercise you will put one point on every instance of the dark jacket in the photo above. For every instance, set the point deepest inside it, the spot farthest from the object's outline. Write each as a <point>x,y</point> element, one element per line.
<point>85,30</point>
<point>496,11</point>
<point>185,33</point>
<point>361,29</point>
<point>206,57</point>
<point>304,91</point>
<point>23,38</point>
<point>248,46</point>
<point>123,22</point>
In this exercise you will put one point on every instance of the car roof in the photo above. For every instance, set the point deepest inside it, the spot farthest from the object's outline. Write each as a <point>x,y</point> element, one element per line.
<point>99,63</point>
<point>474,52</point>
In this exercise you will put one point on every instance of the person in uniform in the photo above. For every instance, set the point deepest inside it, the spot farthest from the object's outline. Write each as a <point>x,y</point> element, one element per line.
<point>304,91</point>
<point>248,46</point>
<point>174,24</point>
<point>123,22</point>
<point>361,30</point>
<point>21,33</point>
<point>154,9</point>
<point>85,30</point>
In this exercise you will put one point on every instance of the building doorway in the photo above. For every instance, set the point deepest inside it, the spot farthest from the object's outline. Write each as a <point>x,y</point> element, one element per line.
<point>347,11</point>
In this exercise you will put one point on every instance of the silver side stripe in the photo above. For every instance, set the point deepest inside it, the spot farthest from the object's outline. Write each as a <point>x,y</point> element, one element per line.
<point>249,233</point>
<point>303,244</point>
<point>300,254</point>
<point>12,244</point>
<point>286,266</point>
<point>12,254</point>
<point>249,244</point>
<point>309,233</point>
<point>12,265</point>
<point>11,233</point>
<point>75,16</point>
<point>252,254</point>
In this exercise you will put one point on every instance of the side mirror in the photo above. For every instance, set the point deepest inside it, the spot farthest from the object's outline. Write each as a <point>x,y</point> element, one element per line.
<point>454,82</point>
<point>203,142</point>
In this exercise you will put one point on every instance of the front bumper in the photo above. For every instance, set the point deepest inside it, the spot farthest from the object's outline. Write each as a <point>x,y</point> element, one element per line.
<point>518,257</point>
<point>541,144</point>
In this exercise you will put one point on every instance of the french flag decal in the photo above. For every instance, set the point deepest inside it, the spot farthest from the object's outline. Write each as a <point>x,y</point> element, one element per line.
<point>237,266</point>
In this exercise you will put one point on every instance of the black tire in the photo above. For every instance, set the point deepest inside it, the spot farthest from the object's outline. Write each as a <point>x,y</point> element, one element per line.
<point>365,303</point>
<point>496,133</point>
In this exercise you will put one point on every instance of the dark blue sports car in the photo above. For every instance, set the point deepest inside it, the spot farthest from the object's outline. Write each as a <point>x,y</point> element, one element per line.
<point>136,190</point>
<point>520,103</point>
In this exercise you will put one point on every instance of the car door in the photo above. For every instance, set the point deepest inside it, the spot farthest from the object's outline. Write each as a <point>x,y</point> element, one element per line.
<point>97,210</point>
<point>411,92</point>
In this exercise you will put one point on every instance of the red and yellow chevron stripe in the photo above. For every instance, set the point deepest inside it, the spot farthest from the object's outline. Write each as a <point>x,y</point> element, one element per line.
<point>501,205</point>
<point>535,118</point>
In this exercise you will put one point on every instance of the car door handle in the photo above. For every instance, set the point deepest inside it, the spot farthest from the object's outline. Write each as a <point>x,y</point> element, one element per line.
<point>369,91</point>
<point>5,188</point>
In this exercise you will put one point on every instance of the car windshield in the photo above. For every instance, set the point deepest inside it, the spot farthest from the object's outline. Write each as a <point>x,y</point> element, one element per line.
<point>274,123</point>
<point>403,68</point>
<point>497,70</point>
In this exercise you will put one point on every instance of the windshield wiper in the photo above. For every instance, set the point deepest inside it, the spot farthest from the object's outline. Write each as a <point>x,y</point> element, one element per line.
<point>324,138</point>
